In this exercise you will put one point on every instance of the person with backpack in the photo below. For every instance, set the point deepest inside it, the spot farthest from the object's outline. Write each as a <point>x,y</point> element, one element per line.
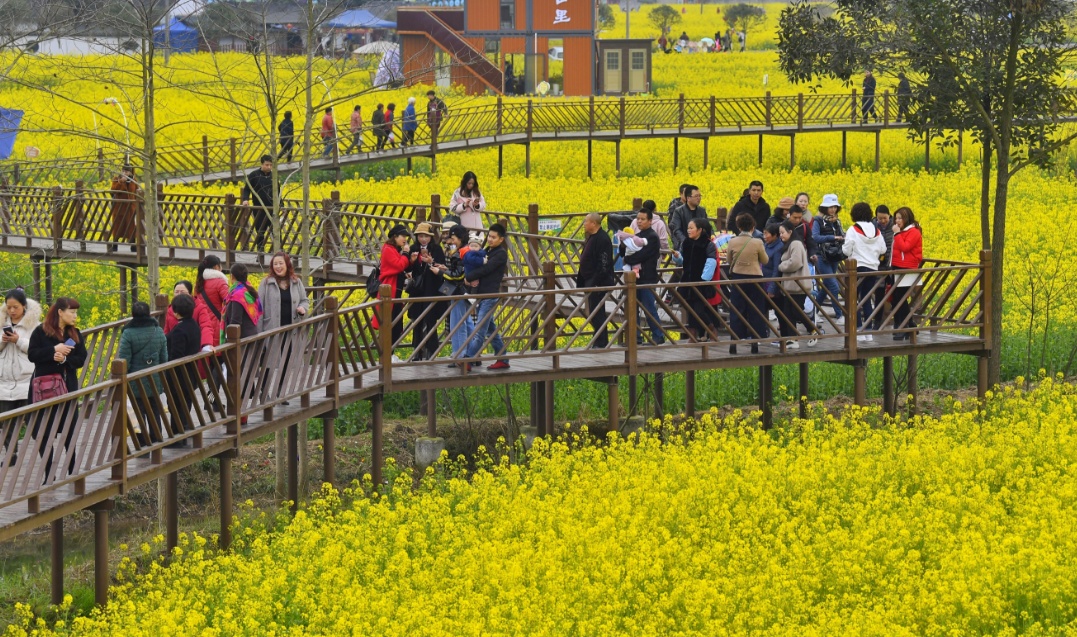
<point>828,236</point>
<point>865,243</point>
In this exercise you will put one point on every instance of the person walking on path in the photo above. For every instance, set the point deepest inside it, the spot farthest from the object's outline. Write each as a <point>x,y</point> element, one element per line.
<point>908,254</point>
<point>143,345</point>
<point>868,107</point>
<point>356,128</point>
<point>468,203</point>
<point>748,255</point>
<point>19,317</point>
<point>286,131</point>
<point>409,124</point>
<point>377,124</point>
<point>904,96</point>
<point>126,205</point>
<point>329,133</point>
<point>646,258</point>
<point>486,279</point>
<point>435,114</point>
<point>828,235</point>
<point>390,117</point>
<point>596,271</point>
<point>260,191</point>
<point>425,269</point>
<point>395,260</point>
<point>753,204</point>
<point>700,262</point>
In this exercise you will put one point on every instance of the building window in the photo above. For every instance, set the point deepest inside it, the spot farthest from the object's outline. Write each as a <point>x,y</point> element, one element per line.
<point>508,14</point>
<point>639,61</point>
<point>613,60</point>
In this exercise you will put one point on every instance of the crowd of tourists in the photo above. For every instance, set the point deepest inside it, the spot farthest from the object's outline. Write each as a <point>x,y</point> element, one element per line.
<point>794,254</point>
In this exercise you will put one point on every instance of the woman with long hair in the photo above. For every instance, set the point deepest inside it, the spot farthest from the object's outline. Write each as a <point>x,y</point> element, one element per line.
<point>243,308</point>
<point>467,202</point>
<point>908,254</point>
<point>700,262</point>
<point>284,302</point>
<point>210,293</point>
<point>58,352</point>
<point>396,258</point>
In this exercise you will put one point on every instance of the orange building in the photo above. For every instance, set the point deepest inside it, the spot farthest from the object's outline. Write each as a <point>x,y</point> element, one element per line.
<point>484,35</point>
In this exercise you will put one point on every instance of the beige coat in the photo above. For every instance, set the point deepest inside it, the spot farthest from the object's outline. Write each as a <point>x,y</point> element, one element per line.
<point>795,264</point>
<point>750,255</point>
<point>16,370</point>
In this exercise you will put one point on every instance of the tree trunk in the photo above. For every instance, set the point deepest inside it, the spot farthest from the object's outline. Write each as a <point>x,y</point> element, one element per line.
<point>998,253</point>
<point>985,195</point>
<point>280,464</point>
<point>149,149</point>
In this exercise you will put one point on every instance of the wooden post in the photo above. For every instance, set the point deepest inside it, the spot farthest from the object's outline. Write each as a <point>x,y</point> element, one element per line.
<point>377,424</point>
<point>435,207</point>
<point>231,228</point>
<point>914,384</point>
<point>659,395</point>
<point>57,535</point>
<point>617,146</point>
<point>690,394</point>
<point>225,461</point>
<point>803,397</point>
<point>760,150</point>
<point>844,148</point>
<point>766,394</point>
<point>613,403</point>
<point>293,468</point>
<point>172,510</point>
<point>792,152</point>
<point>713,114</point>
<point>590,116</point>
<point>589,156</point>
<point>500,161</point>
<point>889,400</point>
<point>631,323</point>
<point>533,262</point>
<point>680,113</point>
<point>927,156</point>
<point>118,373</point>
<point>706,141</point>
<point>332,391</point>
<point>621,116</point>
<point>878,154</point>
<point>850,309</point>
<point>549,426</point>
<point>530,120</point>
<point>856,116</point>
<point>205,155</point>
<point>234,395</point>
<point>500,115</point>
<point>800,111</point>
<point>527,160</point>
<point>768,105</point>
<point>886,107</point>
<point>960,147</point>
<point>100,560</point>
<point>385,333</point>
<point>860,382</point>
<point>676,152</point>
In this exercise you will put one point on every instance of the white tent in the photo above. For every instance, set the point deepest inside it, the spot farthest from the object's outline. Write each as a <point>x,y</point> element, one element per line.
<point>381,47</point>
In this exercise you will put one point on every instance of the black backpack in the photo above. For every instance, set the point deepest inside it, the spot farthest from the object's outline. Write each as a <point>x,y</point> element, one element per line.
<point>373,282</point>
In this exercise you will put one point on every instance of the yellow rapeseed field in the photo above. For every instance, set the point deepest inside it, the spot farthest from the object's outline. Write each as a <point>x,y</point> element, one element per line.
<point>845,524</point>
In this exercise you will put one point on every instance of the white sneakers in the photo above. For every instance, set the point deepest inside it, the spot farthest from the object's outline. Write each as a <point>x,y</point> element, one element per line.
<point>792,345</point>
<point>864,338</point>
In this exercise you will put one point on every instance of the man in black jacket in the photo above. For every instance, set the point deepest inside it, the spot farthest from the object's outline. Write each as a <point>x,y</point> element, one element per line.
<point>260,191</point>
<point>486,279</point>
<point>752,203</point>
<point>677,201</point>
<point>286,130</point>
<point>596,271</point>
<point>680,216</point>
<point>647,260</point>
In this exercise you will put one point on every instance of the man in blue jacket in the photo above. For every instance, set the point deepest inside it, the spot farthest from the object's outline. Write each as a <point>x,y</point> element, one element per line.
<point>486,279</point>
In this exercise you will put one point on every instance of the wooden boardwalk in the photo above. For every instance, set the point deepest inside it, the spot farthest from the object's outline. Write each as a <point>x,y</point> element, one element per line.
<point>514,121</point>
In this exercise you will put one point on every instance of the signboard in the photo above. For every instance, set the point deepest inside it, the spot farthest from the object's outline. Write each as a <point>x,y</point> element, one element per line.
<point>563,16</point>
<point>32,152</point>
<point>549,225</point>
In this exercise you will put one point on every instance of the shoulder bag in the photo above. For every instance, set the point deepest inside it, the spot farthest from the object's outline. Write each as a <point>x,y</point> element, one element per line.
<point>48,387</point>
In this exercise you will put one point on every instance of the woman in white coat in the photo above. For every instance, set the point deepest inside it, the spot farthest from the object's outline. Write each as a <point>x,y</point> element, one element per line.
<point>19,316</point>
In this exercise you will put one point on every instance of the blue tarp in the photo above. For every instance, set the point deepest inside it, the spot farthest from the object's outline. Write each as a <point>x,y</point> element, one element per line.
<point>360,19</point>
<point>181,38</point>
<point>9,127</point>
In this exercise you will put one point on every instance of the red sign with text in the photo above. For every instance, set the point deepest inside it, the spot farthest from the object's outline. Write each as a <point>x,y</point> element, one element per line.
<point>563,15</point>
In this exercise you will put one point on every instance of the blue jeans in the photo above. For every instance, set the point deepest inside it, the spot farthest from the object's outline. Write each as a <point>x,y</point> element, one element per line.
<point>825,267</point>
<point>484,328</point>
<point>459,312</point>
<point>647,301</point>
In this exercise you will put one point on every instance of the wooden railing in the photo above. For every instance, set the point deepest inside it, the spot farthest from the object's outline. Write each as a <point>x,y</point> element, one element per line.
<point>509,120</point>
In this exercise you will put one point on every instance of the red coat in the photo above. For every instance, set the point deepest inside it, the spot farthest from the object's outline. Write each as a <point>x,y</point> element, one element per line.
<point>393,264</point>
<point>170,320</point>
<point>908,251</point>
<point>216,288</point>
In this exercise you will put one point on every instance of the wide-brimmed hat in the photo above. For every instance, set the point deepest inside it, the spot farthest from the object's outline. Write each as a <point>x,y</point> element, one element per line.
<point>446,226</point>
<point>828,201</point>
<point>423,228</point>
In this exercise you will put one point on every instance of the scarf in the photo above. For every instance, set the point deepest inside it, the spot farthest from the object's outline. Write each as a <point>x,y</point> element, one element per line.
<point>242,295</point>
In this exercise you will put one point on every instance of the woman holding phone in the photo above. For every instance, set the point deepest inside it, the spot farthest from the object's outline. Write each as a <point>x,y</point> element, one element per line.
<point>467,202</point>
<point>19,316</point>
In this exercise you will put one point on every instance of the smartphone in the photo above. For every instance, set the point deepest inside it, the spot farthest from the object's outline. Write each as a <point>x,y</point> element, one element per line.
<point>423,248</point>
<point>70,342</point>
<point>8,329</point>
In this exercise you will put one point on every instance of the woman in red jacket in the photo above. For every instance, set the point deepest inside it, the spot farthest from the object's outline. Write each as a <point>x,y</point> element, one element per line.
<point>210,292</point>
<point>908,254</point>
<point>395,260</point>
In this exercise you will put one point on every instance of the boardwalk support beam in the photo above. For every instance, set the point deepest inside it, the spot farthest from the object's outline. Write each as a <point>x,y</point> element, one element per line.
<point>803,368</point>
<point>100,556</point>
<point>766,395</point>
<point>57,534</point>
<point>889,399</point>
<point>225,460</point>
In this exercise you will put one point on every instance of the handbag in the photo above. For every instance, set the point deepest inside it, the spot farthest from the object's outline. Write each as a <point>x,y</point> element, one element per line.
<point>48,387</point>
<point>414,285</point>
<point>832,252</point>
<point>448,288</point>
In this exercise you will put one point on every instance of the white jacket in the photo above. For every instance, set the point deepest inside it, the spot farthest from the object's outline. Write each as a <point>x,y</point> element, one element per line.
<point>15,368</point>
<point>866,247</point>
